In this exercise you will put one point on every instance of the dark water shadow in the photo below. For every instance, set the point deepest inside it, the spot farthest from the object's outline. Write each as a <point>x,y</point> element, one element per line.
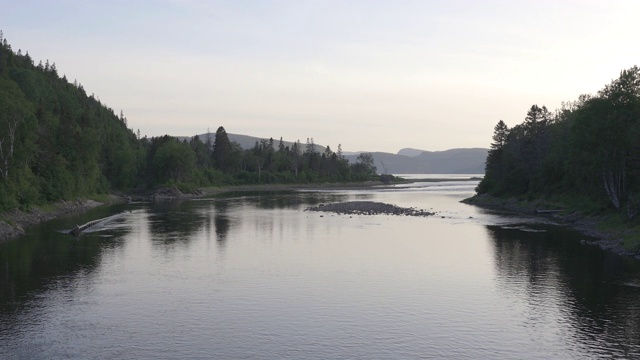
<point>222,220</point>
<point>30,263</point>
<point>174,221</point>
<point>598,290</point>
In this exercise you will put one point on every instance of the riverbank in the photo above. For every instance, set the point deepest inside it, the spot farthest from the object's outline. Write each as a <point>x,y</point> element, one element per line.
<point>298,187</point>
<point>14,223</point>
<point>615,238</point>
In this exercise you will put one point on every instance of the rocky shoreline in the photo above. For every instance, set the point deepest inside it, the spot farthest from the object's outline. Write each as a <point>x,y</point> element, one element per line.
<point>13,223</point>
<point>607,240</point>
<point>368,208</point>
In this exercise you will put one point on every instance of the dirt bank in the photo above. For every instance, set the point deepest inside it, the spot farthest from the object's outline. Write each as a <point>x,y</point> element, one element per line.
<point>610,240</point>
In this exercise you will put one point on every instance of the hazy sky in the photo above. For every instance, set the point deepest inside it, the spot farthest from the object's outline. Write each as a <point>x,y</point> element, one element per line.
<point>371,75</point>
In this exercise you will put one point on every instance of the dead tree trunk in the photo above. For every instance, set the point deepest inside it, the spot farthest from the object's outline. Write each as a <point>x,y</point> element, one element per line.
<point>7,145</point>
<point>612,187</point>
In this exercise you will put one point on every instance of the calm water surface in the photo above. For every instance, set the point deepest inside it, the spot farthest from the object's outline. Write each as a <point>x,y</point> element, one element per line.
<point>256,277</point>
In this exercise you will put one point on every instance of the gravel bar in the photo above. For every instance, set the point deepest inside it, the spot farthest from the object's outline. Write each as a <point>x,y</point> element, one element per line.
<point>369,208</point>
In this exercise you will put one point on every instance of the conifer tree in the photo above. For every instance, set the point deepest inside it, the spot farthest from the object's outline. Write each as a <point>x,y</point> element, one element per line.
<point>221,149</point>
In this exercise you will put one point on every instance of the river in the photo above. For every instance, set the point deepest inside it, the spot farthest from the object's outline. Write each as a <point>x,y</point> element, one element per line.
<point>254,276</point>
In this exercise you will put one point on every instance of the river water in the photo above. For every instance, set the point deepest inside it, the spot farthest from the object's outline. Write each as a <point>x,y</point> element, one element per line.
<point>254,276</point>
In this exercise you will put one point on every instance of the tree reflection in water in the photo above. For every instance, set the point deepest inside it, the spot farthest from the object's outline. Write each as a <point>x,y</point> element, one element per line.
<point>548,265</point>
<point>221,221</point>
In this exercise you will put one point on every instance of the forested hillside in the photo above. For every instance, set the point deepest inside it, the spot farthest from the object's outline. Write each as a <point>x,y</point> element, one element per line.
<point>586,153</point>
<point>57,142</point>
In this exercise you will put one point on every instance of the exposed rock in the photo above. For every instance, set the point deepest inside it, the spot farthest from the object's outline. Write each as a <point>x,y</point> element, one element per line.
<point>368,208</point>
<point>167,193</point>
<point>9,232</point>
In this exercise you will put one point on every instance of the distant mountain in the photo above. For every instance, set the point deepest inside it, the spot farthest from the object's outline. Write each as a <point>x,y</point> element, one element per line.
<point>454,161</point>
<point>410,152</point>
<point>407,161</point>
<point>356,153</point>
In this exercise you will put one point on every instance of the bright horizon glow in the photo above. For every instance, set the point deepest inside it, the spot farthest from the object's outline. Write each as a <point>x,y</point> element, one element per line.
<point>372,76</point>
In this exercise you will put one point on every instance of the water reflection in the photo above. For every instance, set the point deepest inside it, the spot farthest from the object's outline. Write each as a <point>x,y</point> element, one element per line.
<point>221,221</point>
<point>180,221</point>
<point>175,221</point>
<point>261,276</point>
<point>294,200</point>
<point>245,202</point>
<point>595,292</point>
<point>46,260</point>
<point>28,264</point>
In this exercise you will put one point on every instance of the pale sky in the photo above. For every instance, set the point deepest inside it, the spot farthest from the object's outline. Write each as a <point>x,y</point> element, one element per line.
<point>370,75</point>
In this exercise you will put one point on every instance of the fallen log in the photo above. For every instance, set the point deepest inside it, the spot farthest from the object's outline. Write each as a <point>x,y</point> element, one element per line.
<point>81,228</point>
<point>542,211</point>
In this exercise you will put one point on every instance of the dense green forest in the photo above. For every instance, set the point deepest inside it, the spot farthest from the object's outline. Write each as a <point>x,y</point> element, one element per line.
<point>586,154</point>
<point>57,142</point>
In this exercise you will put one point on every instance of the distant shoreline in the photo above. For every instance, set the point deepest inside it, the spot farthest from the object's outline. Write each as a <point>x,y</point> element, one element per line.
<point>310,187</point>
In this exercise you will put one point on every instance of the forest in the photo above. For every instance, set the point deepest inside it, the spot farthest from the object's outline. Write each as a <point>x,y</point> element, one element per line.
<point>586,154</point>
<point>58,143</point>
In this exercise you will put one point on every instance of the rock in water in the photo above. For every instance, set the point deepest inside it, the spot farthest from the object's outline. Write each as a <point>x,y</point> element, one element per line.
<point>368,208</point>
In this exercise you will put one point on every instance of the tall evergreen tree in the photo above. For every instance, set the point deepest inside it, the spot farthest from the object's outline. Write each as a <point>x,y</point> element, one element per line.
<point>221,149</point>
<point>500,134</point>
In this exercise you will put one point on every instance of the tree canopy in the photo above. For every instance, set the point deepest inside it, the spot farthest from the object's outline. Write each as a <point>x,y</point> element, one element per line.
<point>589,149</point>
<point>57,142</point>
